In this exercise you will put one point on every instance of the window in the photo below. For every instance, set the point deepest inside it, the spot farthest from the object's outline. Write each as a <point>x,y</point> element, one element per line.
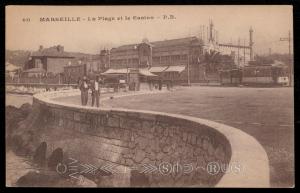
<point>156,59</point>
<point>183,57</point>
<point>175,58</point>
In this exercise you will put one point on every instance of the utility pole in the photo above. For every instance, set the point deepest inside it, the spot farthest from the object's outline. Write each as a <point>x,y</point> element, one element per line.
<point>201,36</point>
<point>244,52</point>
<point>188,70</point>
<point>203,32</point>
<point>238,53</point>
<point>207,34</point>
<point>290,67</point>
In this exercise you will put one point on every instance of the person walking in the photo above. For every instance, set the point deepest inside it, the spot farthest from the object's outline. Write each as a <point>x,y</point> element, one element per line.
<point>95,87</point>
<point>83,86</point>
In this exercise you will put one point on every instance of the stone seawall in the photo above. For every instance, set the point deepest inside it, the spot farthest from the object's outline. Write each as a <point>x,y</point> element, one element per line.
<point>170,150</point>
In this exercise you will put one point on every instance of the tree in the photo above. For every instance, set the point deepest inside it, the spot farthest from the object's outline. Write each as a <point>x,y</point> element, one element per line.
<point>215,61</point>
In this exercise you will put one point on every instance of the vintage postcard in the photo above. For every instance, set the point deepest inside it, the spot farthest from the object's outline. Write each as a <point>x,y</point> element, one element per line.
<point>149,96</point>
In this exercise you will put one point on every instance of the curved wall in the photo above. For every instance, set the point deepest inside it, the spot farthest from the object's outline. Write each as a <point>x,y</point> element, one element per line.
<point>171,150</point>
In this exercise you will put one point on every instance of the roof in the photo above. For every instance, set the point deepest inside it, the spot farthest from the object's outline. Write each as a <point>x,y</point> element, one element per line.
<point>125,47</point>
<point>54,51</point>
<point>116,71</point>
<point>146,72</point>
<point>175,69</point>
<point>163,43</point>
<point>173,42</point>
<point>11,67</point>
<point>142,71</point>
<point>278,63</point>
<point>158,68</point>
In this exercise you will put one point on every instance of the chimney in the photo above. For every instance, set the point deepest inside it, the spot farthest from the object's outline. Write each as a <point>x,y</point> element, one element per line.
<point>41,48</point>
<point>60,48</point>
<point>251,43</point>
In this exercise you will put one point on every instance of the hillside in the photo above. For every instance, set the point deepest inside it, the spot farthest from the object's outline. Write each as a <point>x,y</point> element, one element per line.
<point>17,57</point>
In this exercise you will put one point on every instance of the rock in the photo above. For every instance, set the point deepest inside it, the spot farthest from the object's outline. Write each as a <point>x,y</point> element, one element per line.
<point>184,136</point>
<point>171,132</point>
<point>21,142</point>
<point>143,142</point>
<point>13,116</point>
<point>166,132</point>
<point>197,151</point>
<point>40,154</point>
<point>152,129</point>
<point>194,139</point>
<point>205,144</point>
<point>131,144</point>
<point>105,181</point>
<point>166,149</point>
<point>199,142</point>
<point>138,179</point>
<point>139,156</point>
<point>26,109</point>
<point>210,149</point>
<point>85,182</point>
<point>55,158</point>
<point>219,153</point>
<point>158,129</point>
<point>36,179</point>
<point>129,162</point>
<point>145,161</point>
<point>159,156</point>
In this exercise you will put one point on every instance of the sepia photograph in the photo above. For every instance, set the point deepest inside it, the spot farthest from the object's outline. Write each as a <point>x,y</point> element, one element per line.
<point>149,96</point>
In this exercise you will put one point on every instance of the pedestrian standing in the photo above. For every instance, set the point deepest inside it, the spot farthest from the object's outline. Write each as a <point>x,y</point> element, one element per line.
<point>96,91</point>
<point>83,86</point>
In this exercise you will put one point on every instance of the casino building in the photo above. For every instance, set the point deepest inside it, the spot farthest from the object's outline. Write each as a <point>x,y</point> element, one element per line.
<point>180,60</point>
<point>174,59</point>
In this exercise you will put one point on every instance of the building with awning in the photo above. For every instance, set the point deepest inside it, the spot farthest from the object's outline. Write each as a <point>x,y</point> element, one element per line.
<point>112,71</point>
<point>11,67</point>
<point>146,72</point>
<point>169,58</point>
<point>122,71</point>
<point>157,69</point>
<point>178,69</point>
<point>52,59</point>
<point>34,72</point>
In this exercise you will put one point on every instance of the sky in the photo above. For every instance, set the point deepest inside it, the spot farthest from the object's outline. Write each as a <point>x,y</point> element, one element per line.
<point>269,22</point>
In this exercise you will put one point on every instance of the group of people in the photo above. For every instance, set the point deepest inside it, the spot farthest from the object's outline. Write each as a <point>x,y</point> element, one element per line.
<point>84,86</point>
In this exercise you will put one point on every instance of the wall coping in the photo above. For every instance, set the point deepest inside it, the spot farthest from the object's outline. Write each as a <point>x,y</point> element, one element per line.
<point>246,150</point>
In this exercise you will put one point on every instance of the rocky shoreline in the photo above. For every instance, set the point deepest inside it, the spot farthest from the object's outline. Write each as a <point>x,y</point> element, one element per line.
<point>28,166</point>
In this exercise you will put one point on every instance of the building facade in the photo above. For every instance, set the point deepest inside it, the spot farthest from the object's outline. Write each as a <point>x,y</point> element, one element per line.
<point>51,59</point>
<point>176,58</point>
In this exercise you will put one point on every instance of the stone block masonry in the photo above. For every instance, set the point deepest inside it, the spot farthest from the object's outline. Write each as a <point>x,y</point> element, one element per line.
<point>135,139</point>
<point>132,139</point>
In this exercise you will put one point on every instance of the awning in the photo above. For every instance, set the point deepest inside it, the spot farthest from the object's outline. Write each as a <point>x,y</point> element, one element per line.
<point>11,67</point>
<point>178,69</point>
<point>146,72</point>
<point>278,63</point>
<point>158,69</point>
<point>35,70</point>
<point>142,71</point>
<point>116,71</point>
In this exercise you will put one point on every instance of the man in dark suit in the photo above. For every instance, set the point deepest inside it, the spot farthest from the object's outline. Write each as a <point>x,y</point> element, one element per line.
<point>95,87</point>
<point>84,87</point>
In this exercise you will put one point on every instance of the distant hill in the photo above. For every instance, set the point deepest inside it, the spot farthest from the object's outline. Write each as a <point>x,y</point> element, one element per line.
<point>17,57</point>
